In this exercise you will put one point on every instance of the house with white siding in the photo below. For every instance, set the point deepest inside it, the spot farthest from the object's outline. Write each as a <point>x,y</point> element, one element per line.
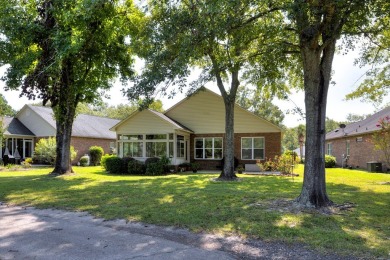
<point>193,131</point>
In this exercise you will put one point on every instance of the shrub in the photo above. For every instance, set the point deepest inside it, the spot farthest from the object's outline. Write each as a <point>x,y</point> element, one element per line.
<point>104,159</point>
<point>25,164</point>
<point>84,160</point>
<point>135,167</point>
<point>330,161</point>
<point>155,168</point>
<point>45,151</point>
<point>96,153</point>
<point>151,160</point>
<point>28,160</point>
<point>114,165</point>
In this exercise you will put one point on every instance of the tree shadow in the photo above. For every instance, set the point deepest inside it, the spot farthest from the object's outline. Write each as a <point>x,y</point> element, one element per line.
<point>194,201</point>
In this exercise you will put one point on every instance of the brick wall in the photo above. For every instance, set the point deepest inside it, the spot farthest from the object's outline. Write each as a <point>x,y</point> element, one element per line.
<point>360,152</point>
<point>82,144</point>
<point>272,148</point>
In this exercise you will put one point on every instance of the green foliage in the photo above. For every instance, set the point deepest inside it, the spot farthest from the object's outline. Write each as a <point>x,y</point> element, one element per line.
<point>104,159</point>
<point>151,160</point>
<point>290,140</point>
<point>195,202</point>
<point>284,163</point>
<point>66,52</point>
<point>195,166</point>
<point>96,153</point>
<point>157,166</point>
<point>135,167</point>
<point>381,139</point>
<point>45,151</point>
<point>84,160</point>
<point>330,161</point>
<point>28,160</point>
<point>5,108</point>
<point>114,165</point>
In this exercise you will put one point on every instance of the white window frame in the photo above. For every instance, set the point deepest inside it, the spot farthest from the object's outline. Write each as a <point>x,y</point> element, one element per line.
<point>252,148</point>
<point>329,148</point>
<point>204,148</point>
<point>348,147</point>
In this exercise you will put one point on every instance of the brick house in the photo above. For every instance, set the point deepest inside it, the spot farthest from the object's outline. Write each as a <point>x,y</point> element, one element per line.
<point>352,145</point>
<point>193,131</point>
<point>32,123</point>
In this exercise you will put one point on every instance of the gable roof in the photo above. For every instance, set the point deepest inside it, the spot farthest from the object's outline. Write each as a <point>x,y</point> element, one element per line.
<point>14,127</point>
<point>170,121</point>
<point>204,112</point>
<point>365,126</point>
<point>83,125</point>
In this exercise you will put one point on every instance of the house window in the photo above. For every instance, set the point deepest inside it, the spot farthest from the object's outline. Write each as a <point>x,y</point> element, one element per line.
<point>180,146</point>
<point>329,150</point>
<point>156,149</point>
<point>131,137</point>
<point>208,148</point>
<point>252,148</point>
<point>347,146</point>
<point>132,149</point>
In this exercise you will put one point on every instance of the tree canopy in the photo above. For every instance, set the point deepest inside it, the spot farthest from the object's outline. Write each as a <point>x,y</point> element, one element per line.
<point>64,52</point>
<point>5,108</point>
<point>230,41</point>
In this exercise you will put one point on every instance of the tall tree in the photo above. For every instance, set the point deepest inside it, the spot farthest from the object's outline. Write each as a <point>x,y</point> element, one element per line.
<point>318,25</point>
<point>64,52</point>
<point>376,52</point>
<point>229,40</point>
<point>5,108</point>
<point>260,104</point>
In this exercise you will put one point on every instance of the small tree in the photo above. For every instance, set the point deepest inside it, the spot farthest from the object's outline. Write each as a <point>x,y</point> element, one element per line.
<point>381,139</point>
<point>45,151</point>
<point>96,153</point>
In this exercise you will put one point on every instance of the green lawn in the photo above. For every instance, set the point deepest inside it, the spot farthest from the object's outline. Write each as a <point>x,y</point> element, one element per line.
<point>196,202</point>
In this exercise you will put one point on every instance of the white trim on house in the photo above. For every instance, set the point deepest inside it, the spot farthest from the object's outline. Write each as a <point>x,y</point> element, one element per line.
<point>204,148</point>
<point>253,148</point>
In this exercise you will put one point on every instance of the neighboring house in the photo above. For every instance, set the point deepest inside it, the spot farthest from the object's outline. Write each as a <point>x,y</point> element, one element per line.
<point>352,145</point>
<point>193,131</point>
<point>33,123</point>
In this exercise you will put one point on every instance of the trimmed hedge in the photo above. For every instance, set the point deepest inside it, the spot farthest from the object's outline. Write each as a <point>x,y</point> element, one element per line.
<point>135,167</point>
<point>114,165</point>
<point>96,153</point>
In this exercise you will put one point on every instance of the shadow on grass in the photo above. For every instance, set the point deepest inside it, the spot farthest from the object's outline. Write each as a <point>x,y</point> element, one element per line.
<point>195,202</point>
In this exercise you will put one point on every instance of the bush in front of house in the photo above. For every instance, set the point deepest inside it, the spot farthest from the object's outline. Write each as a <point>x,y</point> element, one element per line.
<point>84,160</point>
<point>135,167</point>
<point>96,153</point>
<point>156,166</point>
<point>45,151</point>
<point>330,161</point>
<point>104,159</point>
<point>114,165</point>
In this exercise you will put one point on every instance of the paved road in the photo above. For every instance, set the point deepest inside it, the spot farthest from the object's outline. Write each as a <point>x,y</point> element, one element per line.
<point>27,233</point>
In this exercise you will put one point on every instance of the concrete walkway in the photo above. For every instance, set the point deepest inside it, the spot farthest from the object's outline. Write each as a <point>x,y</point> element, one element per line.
<point>28,233</point>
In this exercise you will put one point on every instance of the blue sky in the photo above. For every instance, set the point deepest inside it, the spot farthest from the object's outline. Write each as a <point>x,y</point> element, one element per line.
<point>346,76</point>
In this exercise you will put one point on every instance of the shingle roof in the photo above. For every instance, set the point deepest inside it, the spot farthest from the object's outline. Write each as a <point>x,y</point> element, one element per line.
<point>14,127</point>
<point>365,126</point>
<point>83,125</point>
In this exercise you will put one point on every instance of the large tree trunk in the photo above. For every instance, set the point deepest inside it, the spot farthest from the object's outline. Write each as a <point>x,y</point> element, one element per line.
<point>228,149</point>
<point>65,110</point>
<point>317,71</point>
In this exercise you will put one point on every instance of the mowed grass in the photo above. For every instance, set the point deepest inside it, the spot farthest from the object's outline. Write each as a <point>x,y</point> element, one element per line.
<point>195,202</point>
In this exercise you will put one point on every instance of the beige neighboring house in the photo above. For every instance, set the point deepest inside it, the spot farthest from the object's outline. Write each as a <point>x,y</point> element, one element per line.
<point>193,131</point>
<point>32,123</point>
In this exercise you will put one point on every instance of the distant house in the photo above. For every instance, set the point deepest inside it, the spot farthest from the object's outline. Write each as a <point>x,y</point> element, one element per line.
<point>352,145</point>
<point>193,131</point>
<point>32,123</point>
